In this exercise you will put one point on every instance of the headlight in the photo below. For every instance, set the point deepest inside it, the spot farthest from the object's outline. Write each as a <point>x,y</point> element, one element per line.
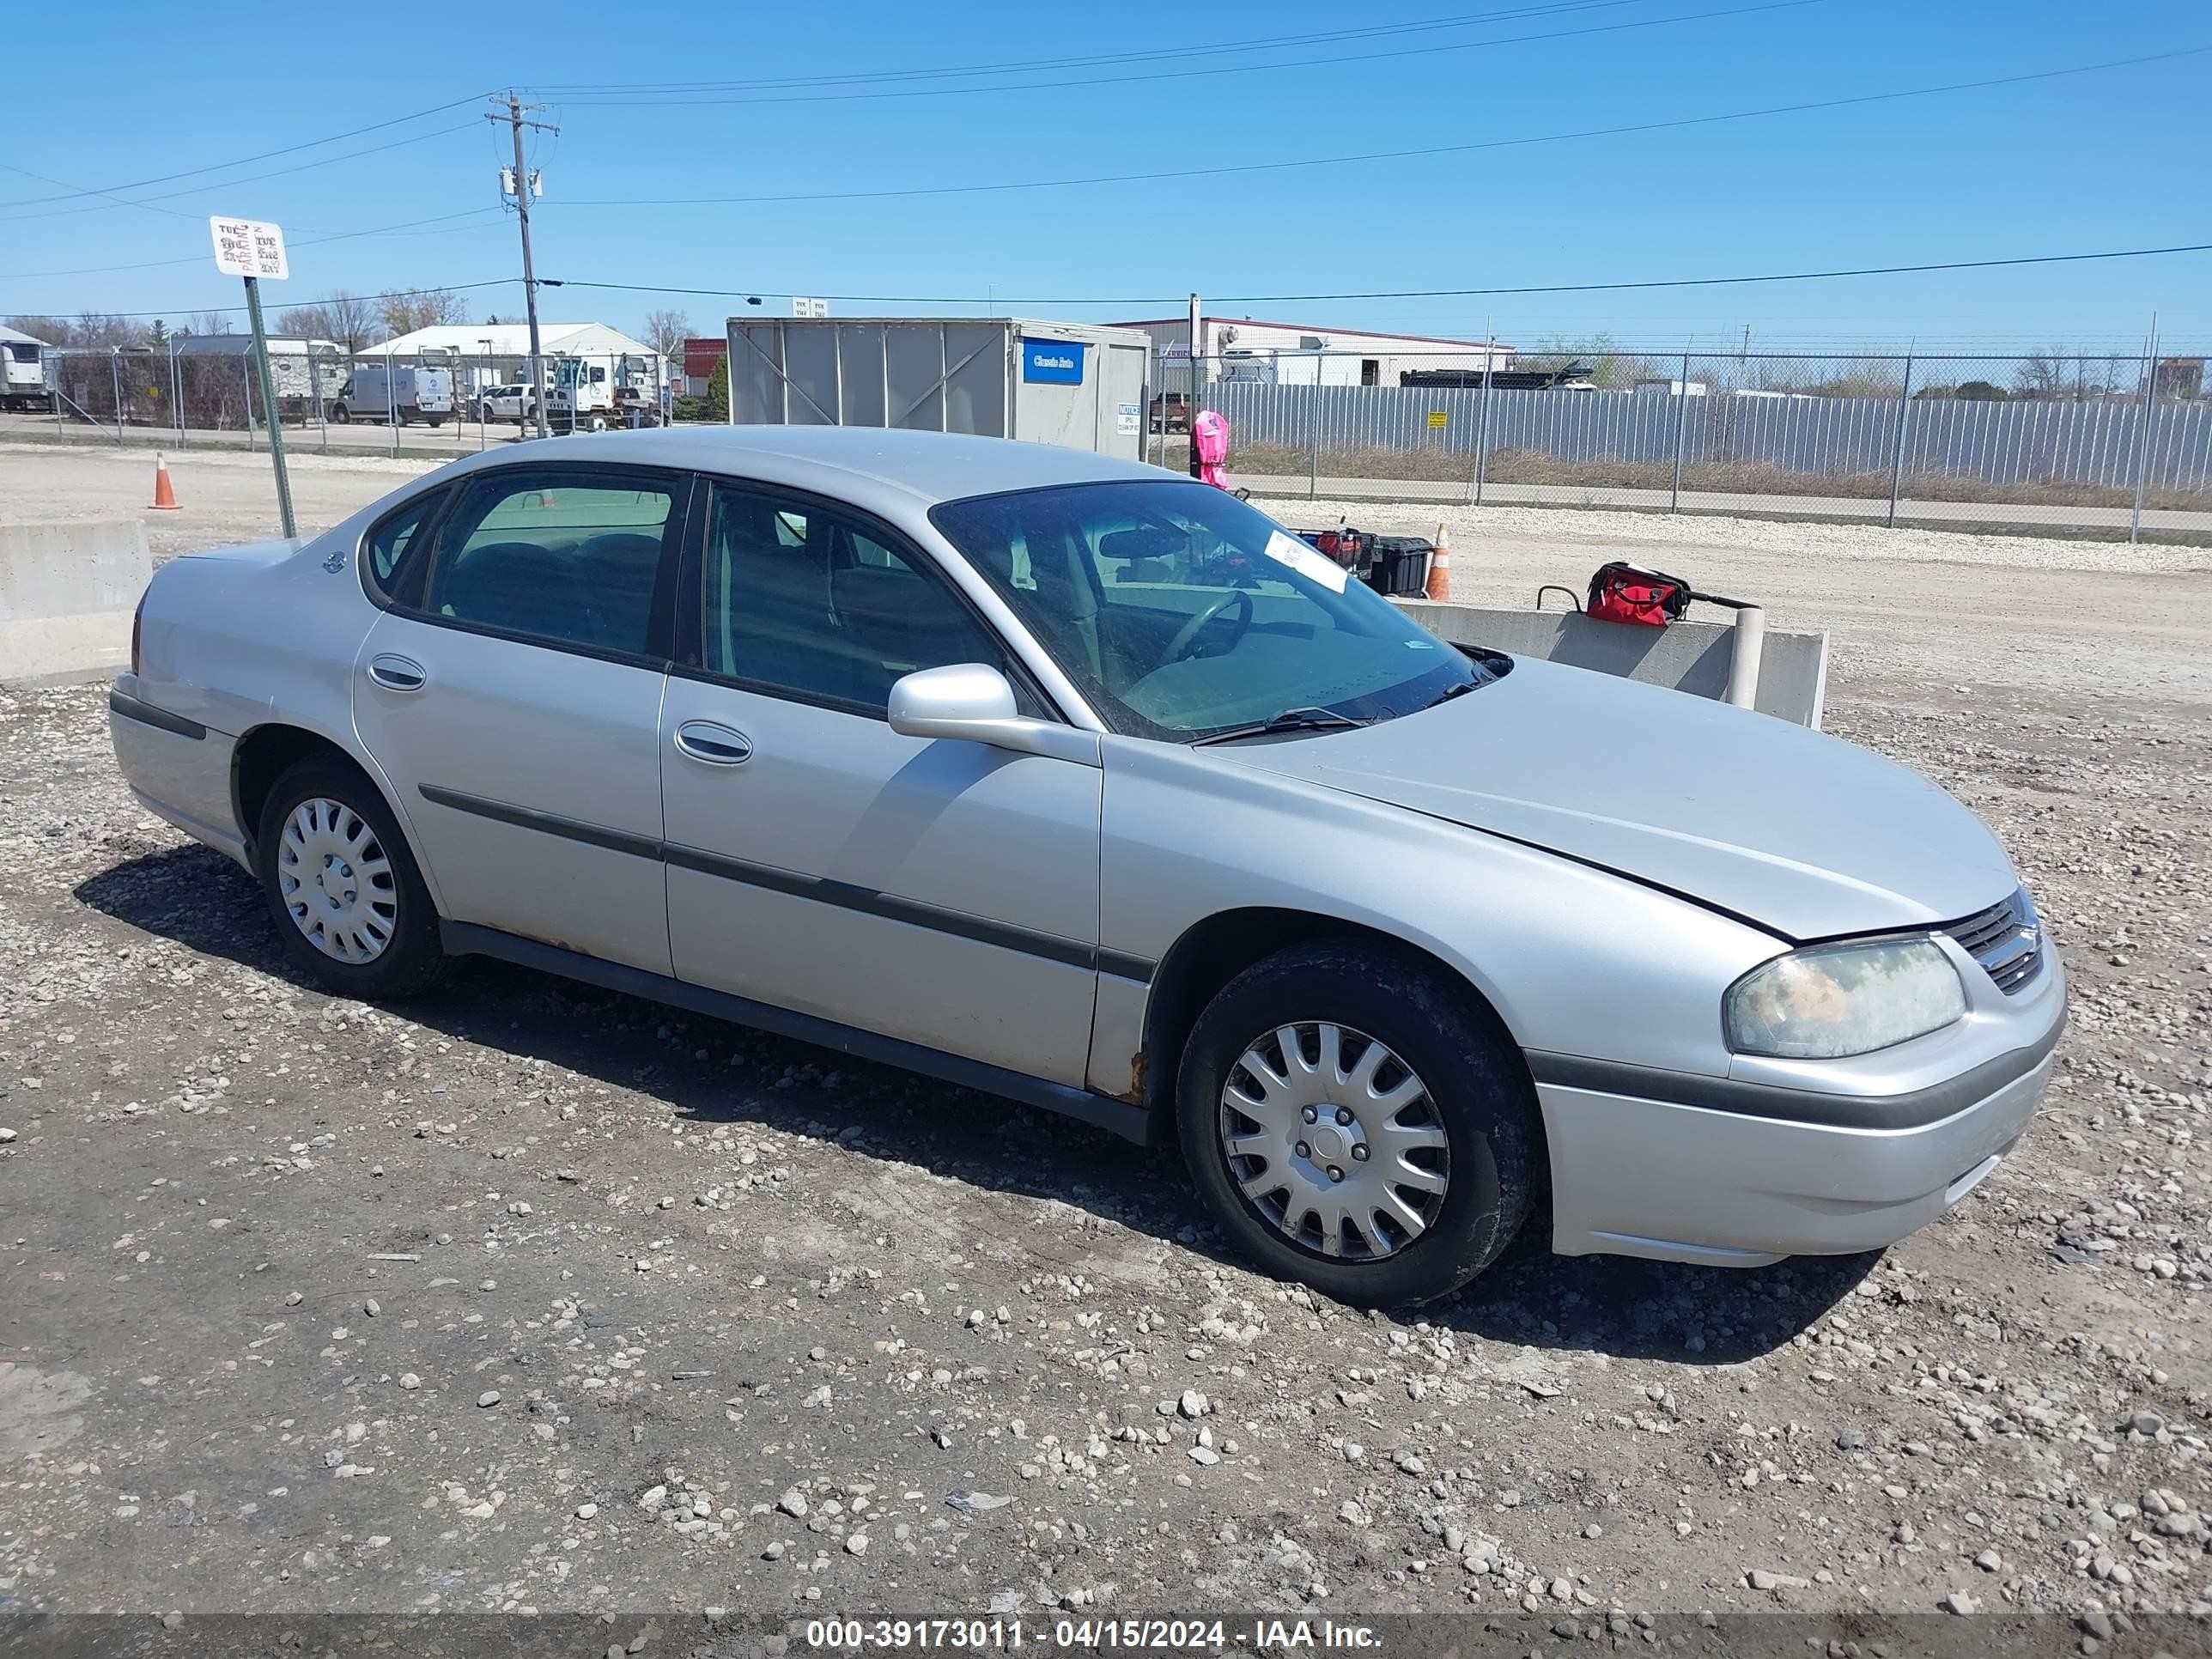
<point>1830,1000</point>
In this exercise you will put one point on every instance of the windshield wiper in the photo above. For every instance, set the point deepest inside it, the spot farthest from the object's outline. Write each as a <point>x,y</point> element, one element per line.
<point>1451,691</point>
<point>1290,719</point>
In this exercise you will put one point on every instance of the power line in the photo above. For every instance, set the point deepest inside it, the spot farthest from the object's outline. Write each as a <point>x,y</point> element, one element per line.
<point>148,201</point>
<point>317,241</point>
<point>1725,282</point>
<point>1183,75</point>
<point>118,201</point>
<point>1272,43</point>
<point>1124,300</point>
<point>1164,175</point>
<point>226,311</point>
<point>246,161</point>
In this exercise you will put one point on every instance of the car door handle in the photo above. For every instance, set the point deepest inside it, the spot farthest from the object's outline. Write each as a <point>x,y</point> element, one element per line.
<point>396,673</point>
<point>716,745</point>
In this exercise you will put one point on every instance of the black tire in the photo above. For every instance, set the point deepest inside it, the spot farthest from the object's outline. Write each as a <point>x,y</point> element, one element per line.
<point>1476,1090</point>
<point>412,957</point>
<point>339,414</point>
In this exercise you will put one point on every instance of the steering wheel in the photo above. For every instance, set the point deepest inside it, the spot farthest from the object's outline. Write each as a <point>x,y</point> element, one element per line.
<point>1185,637</point>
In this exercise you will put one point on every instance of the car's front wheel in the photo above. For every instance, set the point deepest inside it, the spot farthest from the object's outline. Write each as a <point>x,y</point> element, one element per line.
<point>348,903</point>
<point>1351,1124</point>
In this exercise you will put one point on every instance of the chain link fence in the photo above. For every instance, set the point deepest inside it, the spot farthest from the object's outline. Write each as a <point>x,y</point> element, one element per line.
<point>203,389</point>
<point>2088,441</point>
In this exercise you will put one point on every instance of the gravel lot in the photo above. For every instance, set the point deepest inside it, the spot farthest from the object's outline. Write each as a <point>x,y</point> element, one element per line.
<point>533,1296</point>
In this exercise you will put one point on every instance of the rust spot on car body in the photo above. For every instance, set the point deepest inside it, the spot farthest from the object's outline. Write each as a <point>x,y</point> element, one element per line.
<point>1136,1078</point>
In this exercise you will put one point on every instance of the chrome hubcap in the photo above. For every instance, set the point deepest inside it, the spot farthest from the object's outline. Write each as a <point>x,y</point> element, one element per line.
<point>1335,1141</point>
<point>336,884</point>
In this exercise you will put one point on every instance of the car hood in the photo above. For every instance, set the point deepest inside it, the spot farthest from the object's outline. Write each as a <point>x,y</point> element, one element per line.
<point>1805,835</point>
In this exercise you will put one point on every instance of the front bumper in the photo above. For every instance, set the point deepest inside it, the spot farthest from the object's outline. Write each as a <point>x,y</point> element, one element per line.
<point>1673,1180</point>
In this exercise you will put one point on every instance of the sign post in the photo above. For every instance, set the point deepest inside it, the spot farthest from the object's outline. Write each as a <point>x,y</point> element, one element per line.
<point>248,248</point>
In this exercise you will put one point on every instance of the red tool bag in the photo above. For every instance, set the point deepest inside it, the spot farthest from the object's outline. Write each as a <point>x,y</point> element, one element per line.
<point>1342,546</point>
<point>1629,593</point>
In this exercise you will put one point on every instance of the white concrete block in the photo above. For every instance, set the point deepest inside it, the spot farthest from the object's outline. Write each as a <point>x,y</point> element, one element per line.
<point>67,592</point>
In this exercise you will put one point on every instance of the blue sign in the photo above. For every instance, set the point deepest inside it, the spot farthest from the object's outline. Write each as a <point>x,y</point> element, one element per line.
<point>1055,362</point>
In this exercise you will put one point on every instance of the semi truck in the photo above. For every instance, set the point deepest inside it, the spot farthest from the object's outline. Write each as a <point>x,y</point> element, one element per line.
<point>590,394</point>
<point>23,372</point>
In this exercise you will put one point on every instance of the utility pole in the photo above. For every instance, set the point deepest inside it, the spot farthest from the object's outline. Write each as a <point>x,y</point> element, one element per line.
<point>515,108</point>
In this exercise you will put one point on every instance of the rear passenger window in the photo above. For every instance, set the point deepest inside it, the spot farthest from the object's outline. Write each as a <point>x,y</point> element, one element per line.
<point>567,558</point>
<point>389,541</point>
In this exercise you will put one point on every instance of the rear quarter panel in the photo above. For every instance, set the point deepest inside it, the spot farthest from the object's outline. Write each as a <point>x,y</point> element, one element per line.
<point>243,638</point>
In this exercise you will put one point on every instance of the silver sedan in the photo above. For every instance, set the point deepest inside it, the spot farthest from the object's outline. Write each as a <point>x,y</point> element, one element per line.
<point>1084,785</point>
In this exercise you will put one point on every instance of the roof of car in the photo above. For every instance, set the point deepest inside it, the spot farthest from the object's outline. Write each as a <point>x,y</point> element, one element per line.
<point>925,467</point>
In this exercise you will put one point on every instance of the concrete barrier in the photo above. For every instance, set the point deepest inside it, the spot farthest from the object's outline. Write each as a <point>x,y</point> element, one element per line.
<point>1687,656</point>
<point>67,592</point>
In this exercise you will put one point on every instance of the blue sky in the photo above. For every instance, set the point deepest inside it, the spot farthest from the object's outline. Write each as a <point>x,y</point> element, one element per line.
<point>2110,159</point>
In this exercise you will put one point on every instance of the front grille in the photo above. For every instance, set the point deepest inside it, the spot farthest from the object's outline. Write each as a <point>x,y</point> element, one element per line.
<point>2006,939</point>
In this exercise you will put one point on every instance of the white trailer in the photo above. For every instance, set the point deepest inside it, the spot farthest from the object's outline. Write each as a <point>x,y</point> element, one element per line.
<point>1270,365</point>
<point>23,372</point>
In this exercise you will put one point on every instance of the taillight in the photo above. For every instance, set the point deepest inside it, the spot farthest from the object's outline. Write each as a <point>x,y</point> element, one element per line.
<point>138,625</point>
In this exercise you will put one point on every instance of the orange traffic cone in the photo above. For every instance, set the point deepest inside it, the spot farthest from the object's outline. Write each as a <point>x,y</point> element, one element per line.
<point>1440,566</point>
<point>165,496</point>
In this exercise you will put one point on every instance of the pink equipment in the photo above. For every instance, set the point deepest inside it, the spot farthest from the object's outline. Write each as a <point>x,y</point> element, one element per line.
<point>1209,436</point>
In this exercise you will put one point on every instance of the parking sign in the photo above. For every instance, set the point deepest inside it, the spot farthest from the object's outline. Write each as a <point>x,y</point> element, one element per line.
<point>247,248</point>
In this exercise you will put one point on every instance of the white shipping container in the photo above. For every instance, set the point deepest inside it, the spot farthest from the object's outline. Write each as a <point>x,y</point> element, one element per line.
<point>1058,383</point>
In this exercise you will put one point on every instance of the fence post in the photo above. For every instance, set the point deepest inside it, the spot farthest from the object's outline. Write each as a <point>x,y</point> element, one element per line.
<point>391,403</point>
<point>115,373</point>
<point>1482,420</point>
<point>176,391</point>
<point>1897,452</point>
<point>1313,436</point>
<point>1681,427</point>
<point>245,377</point>
<point>2142,436</point>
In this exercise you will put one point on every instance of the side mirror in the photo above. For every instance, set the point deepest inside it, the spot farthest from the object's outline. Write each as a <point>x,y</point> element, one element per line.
<point>972,702</point>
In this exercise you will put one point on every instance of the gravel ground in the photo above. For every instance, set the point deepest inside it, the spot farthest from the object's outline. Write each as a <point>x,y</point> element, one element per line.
<point>534,1297</point>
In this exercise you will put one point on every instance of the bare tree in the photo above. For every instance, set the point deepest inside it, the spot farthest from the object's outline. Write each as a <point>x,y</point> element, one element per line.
<point>48,329</point>
<point>402,314</point>
<point>342,317</point>
<point>97,331</point>
<point>666,331</point>
<point>2043,375</point>
<point>209,322</point>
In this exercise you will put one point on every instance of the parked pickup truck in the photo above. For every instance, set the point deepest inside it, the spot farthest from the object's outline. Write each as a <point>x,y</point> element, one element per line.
<point>513,402</point>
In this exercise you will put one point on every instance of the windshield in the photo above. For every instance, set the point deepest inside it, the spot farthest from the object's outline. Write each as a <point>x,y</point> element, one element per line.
<point>1179,611</point>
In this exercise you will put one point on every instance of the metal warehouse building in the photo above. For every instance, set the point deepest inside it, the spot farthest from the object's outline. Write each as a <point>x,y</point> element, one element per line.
<point>1238,347</point>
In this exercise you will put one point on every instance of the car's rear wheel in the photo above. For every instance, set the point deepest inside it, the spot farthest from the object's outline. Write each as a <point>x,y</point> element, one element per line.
<point>349,902</point>
<point>1350,1123</point>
